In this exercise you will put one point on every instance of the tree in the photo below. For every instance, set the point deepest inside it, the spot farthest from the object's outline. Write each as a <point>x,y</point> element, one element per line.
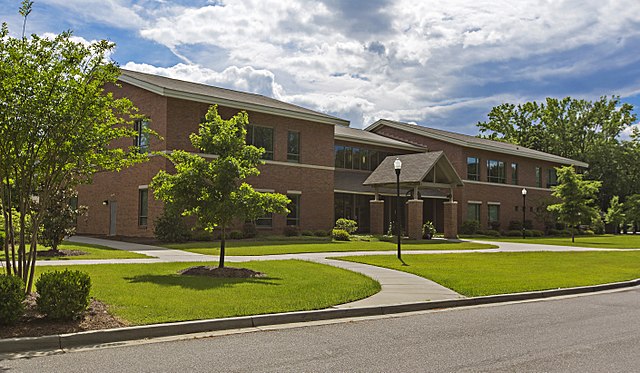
<point>632,211</point>
<point>57,129</point>
<point>615,214</point>
<point>576,198</point>
<point>60,219</point>
<point>213,189</point>
<point>578,129</point>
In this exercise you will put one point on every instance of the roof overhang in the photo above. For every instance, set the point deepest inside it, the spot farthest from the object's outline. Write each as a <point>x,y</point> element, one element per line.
<point>360,140</point>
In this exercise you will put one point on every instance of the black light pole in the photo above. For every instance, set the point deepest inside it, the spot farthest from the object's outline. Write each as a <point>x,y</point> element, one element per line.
<point>397,165</point>
<point>524,209</point>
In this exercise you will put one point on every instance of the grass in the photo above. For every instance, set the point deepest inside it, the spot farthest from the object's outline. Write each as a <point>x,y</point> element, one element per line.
<point>296,247</point>
<point>606,241</point>
<point>91,252</point>
<point>155,293</point>
<point>478,274</point>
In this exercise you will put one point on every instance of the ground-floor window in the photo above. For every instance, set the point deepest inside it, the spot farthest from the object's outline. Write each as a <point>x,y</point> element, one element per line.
<point>265,221</point>
<point>473,211</point>
<point>294,210</point>
<point>494,213</point>
<point>143,206</point>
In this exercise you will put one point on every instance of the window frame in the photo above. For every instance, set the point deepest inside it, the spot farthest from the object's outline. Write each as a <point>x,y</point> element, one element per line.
<point>497,209</point>
<point>269,153</point>
<point>538,176</point>
<point>501,177</point>
<point>141,126</point>
<point>293,156</point>
<point>514,173</point>
<point>295,202</point>
<point>477,207</point>
<point>143,206</point>
<point>473,176</point>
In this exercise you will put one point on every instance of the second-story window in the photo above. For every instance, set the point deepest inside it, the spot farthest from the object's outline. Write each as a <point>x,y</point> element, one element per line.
<point>538,177</point>
<point>496,172</point>
<point>514,173</point>
<point>553,178</point>
<point>473,168</point>
<point>142,138</point>
<point>261,137</point>
<point>293,146</point>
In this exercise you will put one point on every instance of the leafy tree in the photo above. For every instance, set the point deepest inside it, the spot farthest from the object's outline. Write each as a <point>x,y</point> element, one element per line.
<point>213,189</point>
<point>59,220</point>
<point>576,198</point>
<point>632,211</point>
<point>578,129</point>
<point>615,213</point>
<point>57,128</point>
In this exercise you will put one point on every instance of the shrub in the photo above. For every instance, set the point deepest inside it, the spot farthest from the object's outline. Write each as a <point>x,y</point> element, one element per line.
<point>291,231</point>
<point>535,232</point>
<point>528,224</point>
<point>249,230</point>
<point>170,227</point>
<point>490,232</point>
<point>320,233</point>
<point>307,233</point>
<point>588,232</point>
<point>11,297</point>
<point>340,235</point>
<point>513,233</point>
<point>235,235</point>
<point>346,225</point>
<point>202,235</point>
<point>428,230</point>
<point>63,294</point>
<point>515,225</point>
<point>495,225</point>
<point>470,227</point>
<point>387,238</point>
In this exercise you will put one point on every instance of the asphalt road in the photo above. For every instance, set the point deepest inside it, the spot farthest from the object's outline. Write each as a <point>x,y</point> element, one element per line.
<point>594,333</point>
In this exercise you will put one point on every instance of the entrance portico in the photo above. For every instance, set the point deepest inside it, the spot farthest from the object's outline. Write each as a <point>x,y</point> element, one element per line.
<point>420,172</point>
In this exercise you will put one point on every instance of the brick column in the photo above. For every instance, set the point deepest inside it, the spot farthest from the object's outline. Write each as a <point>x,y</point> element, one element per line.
<point>376,217</point>
<point>414,219</point>
<point>451,219</point>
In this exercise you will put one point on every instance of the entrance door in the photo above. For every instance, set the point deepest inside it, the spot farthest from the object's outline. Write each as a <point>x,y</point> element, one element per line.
<point>113,208</point>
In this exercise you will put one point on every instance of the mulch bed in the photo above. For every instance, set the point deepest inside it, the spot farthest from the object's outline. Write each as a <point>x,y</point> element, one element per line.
<point>34,324</point>
<point>60,253</point>
<point>225,272</point>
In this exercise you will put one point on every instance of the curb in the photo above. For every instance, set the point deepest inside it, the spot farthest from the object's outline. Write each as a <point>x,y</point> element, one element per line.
<point>100,337</point>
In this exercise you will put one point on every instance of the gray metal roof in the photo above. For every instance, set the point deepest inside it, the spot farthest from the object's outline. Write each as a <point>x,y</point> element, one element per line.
<point>205,93</point>
<point>348,181</point>
<point>361,136</point>
<point>416,169</point>
<point>476,142</point>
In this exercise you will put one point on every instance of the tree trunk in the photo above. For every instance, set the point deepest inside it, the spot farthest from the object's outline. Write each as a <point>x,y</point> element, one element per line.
<point>573,235</point>
<point>222,242</point>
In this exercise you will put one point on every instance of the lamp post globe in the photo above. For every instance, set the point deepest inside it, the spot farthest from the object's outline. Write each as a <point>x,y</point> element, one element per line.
<point>524,210</point>
<point>397,165</point>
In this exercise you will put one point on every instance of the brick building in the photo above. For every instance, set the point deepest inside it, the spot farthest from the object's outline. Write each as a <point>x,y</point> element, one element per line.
<point>321,164</point>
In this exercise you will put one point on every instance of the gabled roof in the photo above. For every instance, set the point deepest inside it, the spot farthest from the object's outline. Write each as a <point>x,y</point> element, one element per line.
<point>421,169</point>
<point>214,95</point>
<point>360,136</point>
<point>475,142</point>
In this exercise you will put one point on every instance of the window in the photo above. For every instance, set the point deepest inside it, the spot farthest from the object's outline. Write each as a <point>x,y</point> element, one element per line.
<point>473,168</point>
<point>496,172</point>
<point>514,173</point>
<point>358,158</point>
<point>538,177</point>
<point>339,150</point>
<point>373,160</point>
<point>364,159</point>
<point>356,154</point>
<point>473,211</point>
<point>553,178</point>
<point>348,157</point>
<point>294,210</point>
<point>143,206</point>
<point>261,137</point>
<point>293,146</point>
<point>494,213</point>
<point>265,221</point>
<point>142,138</point>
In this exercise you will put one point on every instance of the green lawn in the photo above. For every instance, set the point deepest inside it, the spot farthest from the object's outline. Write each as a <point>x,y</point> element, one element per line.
<point>294,247</point>
<point>478,274</point>
<point>91,252</point>
<point>155,293</point>
<point>607,241</point>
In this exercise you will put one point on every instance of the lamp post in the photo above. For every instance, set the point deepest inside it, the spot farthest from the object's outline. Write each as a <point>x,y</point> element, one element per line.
<point>524,209</point>
<point>397,165</point>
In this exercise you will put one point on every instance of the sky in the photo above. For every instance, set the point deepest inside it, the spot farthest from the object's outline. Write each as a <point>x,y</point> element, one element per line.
<point>441,64</point>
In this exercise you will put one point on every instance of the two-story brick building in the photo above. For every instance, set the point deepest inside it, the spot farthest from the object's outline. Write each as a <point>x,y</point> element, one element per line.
<point>319,162</point>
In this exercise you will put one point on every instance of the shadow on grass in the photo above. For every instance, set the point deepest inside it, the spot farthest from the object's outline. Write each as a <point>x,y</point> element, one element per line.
<point>200,282</point>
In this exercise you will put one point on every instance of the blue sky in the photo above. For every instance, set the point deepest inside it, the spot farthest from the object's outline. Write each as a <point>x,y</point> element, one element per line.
<point>443,64</point>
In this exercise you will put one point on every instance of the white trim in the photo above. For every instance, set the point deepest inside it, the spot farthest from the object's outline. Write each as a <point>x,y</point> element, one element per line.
<point>297,192</point>
<point>360,140</point>
<point>544,156</point>
<point>475,202</point>
<point>383,194</point>
<point>507,185</point>
<point>493,203</point>
<point>231,103</point>
<point>266,161</point>
<point>143,186</point>
<point>264,190</point>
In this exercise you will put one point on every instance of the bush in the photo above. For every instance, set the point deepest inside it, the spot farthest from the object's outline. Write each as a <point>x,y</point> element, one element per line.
<point>11,297</point>
<point>428,230</point>
<point>340,235</point>
<point>307,233</point>
<point>495,225</point>
<point>515,225</point>
<point>291,231</point>
<point>235,235</point>
<point>470,227</point>
<point>490,232</point>
<point>535,232</point>
<point>347,225</point>
<point>320,233</point>
<point>387,238</point>
<point>513,233</point>
<point>202,235</point>
<point>588,232</point>
<point>528,224</point>
<point>63,294</point>
<point>170,227</point>
<point>249,230</point>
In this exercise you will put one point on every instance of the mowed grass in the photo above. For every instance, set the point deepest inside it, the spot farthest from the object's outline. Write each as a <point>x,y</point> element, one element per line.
<point>478,274</point>
<point>155,293</point>
<point>90,252</point>
<point>606,241</point>
<point>296,247</point>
